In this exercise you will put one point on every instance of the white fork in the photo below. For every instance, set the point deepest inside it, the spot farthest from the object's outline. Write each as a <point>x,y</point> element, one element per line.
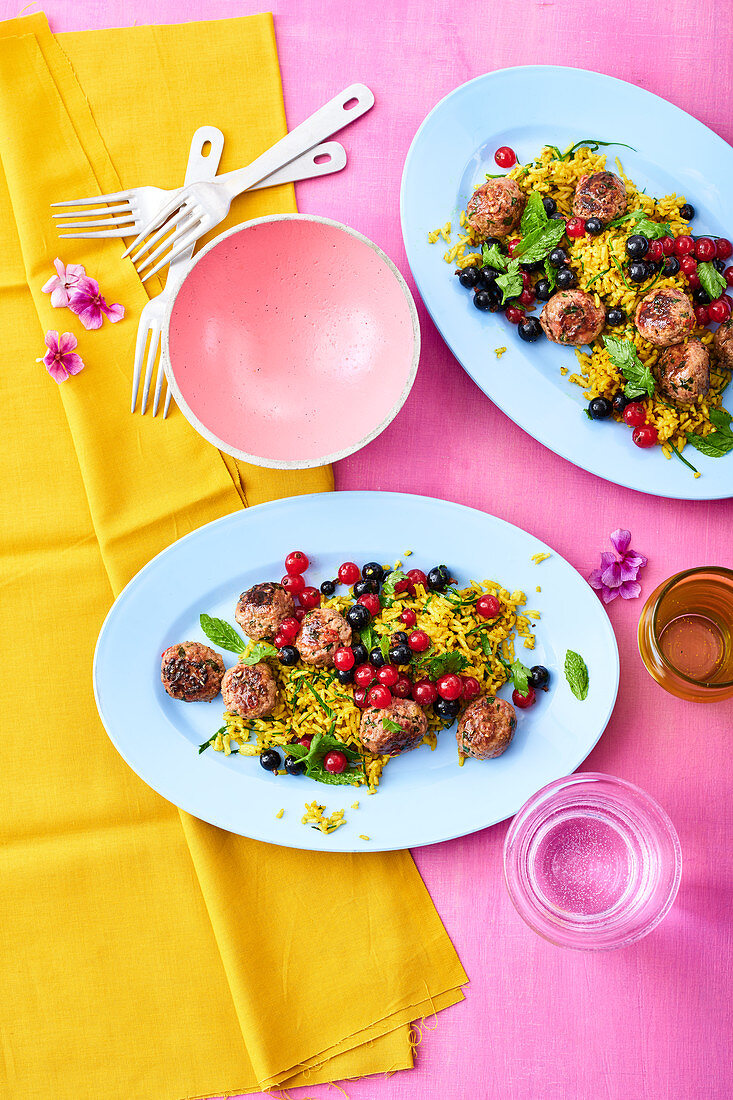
<point>198,207</point>
<point>327,157</point>
<point>131,210</point>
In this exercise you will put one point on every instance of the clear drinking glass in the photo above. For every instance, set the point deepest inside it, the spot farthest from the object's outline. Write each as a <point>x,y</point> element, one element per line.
<point>686,634</point>
<point>592,862</point>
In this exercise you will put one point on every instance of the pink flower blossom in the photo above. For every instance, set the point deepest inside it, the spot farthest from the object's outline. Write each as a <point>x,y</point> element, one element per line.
<point>60,285</point>
<point>618,571</point>
<point>61,360</point>
<point>86,301</point>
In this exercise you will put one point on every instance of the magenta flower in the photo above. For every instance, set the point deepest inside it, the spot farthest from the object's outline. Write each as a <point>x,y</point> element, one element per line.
<point>618,571</point>
<point>89,305</point>
<point>61,284</point>
<point>61,360</point>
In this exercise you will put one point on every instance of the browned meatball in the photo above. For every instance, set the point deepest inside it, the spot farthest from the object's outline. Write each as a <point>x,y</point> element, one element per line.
<point>321,633</point>
<point>495,208</point>
<point>602,195</point>
<point>572,317</point>
<point>375,732</point>
<point>249,690</point>
<point>262,608</point>
<point>191,672</point>
<point>683,372</point>
<point>486,727</point>
<point>665,317</point>
<point>723,345</point>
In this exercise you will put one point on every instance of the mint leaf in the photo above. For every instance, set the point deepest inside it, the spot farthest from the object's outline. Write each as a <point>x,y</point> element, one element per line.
<point>367,638</point>
<point>576,674</point>
<point>534,216</point>
<point>258,653</point>
<point>715,445</point>
<point>392,727</point>
<point>511,284</point>
<point>721,418</point>
<point>313,757</point>
<point>388,588</point>
<point>492,257</point>
<point>445,662</point>
<point>384,647</point>
<point>653,230</point>
<point>537,244</point>
<point>520,676</point>
<point>711,280</point>
<point>622,353</point>
<point>222,634</point>
<point>550,274</point>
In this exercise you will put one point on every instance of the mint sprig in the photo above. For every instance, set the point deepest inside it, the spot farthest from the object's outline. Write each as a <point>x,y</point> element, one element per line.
<point>720,442</point>
<point>711,280</point>
<point>222,634</point>
<point>518,673</point>
<point>492,257</point>
<point>576,674</point>
<point>534,216</point>
<point>623,355</point>
<point>541,241</point>
<point>313,757</point>
<point>443,663</point>
<point>511,284</point>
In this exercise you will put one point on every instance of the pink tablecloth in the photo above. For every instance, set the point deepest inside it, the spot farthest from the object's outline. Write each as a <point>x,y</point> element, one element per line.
<point>539,1023</point>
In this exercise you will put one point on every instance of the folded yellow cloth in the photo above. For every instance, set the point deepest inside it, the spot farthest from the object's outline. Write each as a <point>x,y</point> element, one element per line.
<point>147,955</point>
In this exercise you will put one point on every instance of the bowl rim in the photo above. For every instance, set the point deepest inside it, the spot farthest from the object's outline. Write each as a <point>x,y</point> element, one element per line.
<point>282,464</point>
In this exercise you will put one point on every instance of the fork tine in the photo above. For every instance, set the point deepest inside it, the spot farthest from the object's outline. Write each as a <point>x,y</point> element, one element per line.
<point>158,219</point>
<point>183,243</point>
<point>140,342</point>
<point>166,243</point>
<point>113,222</point>
<point>123,207</point>
<point>158,385</point>
<point>149,364</point>
<point>168,396</point>
<point>114,196</point>
<point>167,227</point>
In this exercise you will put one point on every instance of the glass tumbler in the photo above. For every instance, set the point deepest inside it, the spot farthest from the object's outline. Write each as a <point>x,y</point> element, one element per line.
<point>686,634</point>
<point>592,862</point>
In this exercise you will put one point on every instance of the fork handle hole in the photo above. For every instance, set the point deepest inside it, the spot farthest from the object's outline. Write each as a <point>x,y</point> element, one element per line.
<point>351,103</point>
<point>206,149</point>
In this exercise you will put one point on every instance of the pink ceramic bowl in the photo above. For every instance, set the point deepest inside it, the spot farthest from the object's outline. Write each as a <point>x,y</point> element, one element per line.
<point>292,342</point>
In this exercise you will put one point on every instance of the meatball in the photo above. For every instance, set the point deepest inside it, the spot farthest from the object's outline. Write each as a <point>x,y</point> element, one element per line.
<point>683,372</point>
<point>377,737</point>
<point>249,690</point>
<point>262,608</point>
<point>572,317</point>
<point>495,208</point>
<point>602,195</point>
<point>723,345</point>
<point>486,727</point>
<point>321,633</point>
<point>665,317</point>
<point>191,672</point>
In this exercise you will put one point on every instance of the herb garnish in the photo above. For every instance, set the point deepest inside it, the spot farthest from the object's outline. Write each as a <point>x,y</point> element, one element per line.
<point>313,759</point>
<point>711,280</point>
<point>534,216</point>
<point>222,634</point>
<point>594,144</point>
<point>576,674</point>
<point>518,673</point>
<point>644,225</point>
<point>320,701</point>
<point>445,662</point>
<point>388,588</point>
<point>719,442</point>
<point>682,458</point>
<point>537,244</point>
<point>492,257</point>
<point>392,727</point>
<point>211,740</point>
<point>511,284</point>
<point>639,379</point>
<point>550,274</point>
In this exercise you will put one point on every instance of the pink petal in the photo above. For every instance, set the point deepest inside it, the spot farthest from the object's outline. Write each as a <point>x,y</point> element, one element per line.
<point>607,558</point>
<point>621,539</point>
<point>52,284</point>
<point>635,559</point>
<point>609,594</point>
<point>630,590</point>
<point>612,576</point>
<point>73,362</point>
<point>67,342</point>
<point>74,272</point>
<point>59,298</point>
<point>60,269</point>
<point>90,316</point>
<point>52,340</point>
<point>86,285</point>
<point>115,312</point>
<point>57,371</point>
<point>594,580</point>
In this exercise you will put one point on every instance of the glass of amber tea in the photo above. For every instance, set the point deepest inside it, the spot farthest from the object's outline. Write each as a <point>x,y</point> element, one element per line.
<point>686,634</point>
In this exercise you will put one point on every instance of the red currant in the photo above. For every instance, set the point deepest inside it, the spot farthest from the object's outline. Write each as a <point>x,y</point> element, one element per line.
<point>667,246</point>
<point>728,275</point>
<point>512,246</point>
<point>299,614</point>
<point>693,281</point>
<point>701,315</point>
<point>289,628</point>
<point>654,252</point>
<point>294,584</point>
<point>514,315</point>
<point>343,658</point>
<point>575,227</point>
<point>306,740</point>
<point>379,696</point>
<point>719,310</point>
<point>634,415</point>
<point>471,688</point>
<point>526,297</point>
<point>363,675</point>
<point>370,602</point>
<point>688,265</point>
<point>416,576</point>
<point>684,245</point>
<point>526,280</point>
<point>645,436</point>
<point>388,675</point>
<point>279,641</point>
<point>296,563</point>
<point>705,249</point>
<point>309,598</point>
<point>335,762</point>
<point>403,688</point>
<point>488,607</point>
<point>408,617</point>
<point>360,697</point>
<point>523,701</point>
<point>418,641</point>
<point>424,692</point>
<point>349,572</point>
<point>449,686</point>
<point>723,248</point>
<point>505,157</point>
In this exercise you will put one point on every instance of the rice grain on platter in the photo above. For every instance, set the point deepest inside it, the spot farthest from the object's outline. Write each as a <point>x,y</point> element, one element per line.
<point>313,701</point>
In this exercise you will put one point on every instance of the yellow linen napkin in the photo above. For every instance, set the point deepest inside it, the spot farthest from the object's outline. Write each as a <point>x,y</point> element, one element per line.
<point>147,955</point>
